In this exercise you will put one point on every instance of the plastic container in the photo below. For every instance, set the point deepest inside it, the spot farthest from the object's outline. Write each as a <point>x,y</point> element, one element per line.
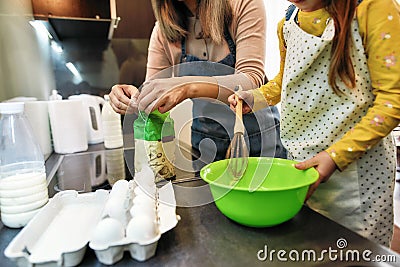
<point>68,126</point>
<point>94,126</point>
<point>279,196</point>
<point>112,127</point>
<point>37,114</point>
<point>23,187</point>
<point>55,96</point>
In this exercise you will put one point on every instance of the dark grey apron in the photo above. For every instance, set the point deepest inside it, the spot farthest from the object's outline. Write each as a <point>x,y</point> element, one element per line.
<point>212,126</point>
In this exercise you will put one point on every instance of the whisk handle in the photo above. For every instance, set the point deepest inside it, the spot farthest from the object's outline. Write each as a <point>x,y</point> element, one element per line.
<point>239,127</point>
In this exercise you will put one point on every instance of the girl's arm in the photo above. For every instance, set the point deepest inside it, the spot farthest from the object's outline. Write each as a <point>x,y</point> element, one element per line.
<point>271,91</point>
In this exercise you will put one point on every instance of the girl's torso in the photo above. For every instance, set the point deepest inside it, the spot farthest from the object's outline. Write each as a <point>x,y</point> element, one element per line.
<point>314,117</point>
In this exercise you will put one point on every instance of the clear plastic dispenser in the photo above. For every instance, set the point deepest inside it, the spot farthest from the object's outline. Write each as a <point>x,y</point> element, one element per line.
<point>23,187</point>
<point>112,127</point>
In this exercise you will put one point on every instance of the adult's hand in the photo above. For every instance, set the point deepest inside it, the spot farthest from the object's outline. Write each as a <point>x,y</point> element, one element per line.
<point>325,166</point>
<point>123,98</point>
<point>163,94</point>
<point>248,100</point>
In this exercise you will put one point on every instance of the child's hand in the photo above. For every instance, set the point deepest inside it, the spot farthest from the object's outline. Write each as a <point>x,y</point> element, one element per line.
<point>325,166</point>
<point>247,98</point>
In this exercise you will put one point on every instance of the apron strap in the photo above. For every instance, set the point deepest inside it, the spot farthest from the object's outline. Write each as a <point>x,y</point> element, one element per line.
<point>289,11</point>
<point>183,50</point>
<point>231,43</point>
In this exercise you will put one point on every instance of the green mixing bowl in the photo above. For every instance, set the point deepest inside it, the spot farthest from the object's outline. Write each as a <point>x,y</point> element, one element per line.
<point>278,196</point>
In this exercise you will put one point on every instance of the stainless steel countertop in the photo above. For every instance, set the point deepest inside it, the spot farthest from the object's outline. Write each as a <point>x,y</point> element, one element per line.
<point>205,237</point>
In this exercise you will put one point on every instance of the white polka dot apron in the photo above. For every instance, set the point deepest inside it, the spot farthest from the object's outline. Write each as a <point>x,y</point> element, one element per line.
<point>314,117</point>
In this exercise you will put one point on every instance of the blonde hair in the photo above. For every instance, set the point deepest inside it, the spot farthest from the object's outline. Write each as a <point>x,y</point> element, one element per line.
<point>214,16</point>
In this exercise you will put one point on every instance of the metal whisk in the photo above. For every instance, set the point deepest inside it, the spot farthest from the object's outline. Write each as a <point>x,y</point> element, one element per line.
<point>237,151</point>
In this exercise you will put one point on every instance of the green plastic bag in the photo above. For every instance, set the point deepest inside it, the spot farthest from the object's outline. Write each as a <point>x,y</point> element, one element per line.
<point>155,144</point>
<point>154,126</point>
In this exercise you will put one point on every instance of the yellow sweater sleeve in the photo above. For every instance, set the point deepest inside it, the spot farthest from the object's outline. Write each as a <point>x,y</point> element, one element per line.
<point>271,91</point>
<point>379,24</point>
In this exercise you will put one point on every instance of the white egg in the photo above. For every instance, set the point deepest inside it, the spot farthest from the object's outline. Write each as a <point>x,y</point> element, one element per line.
<point>143,210</point>
<point>141,228</point>
<point>116,208</point>
<point>120,189</point>
<point>107,231</point>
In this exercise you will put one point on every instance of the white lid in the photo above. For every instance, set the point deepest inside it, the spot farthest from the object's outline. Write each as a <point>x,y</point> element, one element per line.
<point>54,95</point>
<point>107,97</point>
<point>11,107</point>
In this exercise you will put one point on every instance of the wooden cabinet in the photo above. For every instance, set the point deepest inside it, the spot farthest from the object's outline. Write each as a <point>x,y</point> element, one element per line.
<point>129,19</point>
<point>72,8</point>
<point>137,19</point>
<point>78,18</point>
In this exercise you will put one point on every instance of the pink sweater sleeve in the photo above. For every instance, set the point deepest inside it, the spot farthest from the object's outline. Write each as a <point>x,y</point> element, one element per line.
<point>248,31</point>
<point>159,53</point>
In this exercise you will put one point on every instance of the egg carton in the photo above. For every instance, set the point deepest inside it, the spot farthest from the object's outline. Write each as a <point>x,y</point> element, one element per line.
<point>59,234</point>
<point>109,246</point>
